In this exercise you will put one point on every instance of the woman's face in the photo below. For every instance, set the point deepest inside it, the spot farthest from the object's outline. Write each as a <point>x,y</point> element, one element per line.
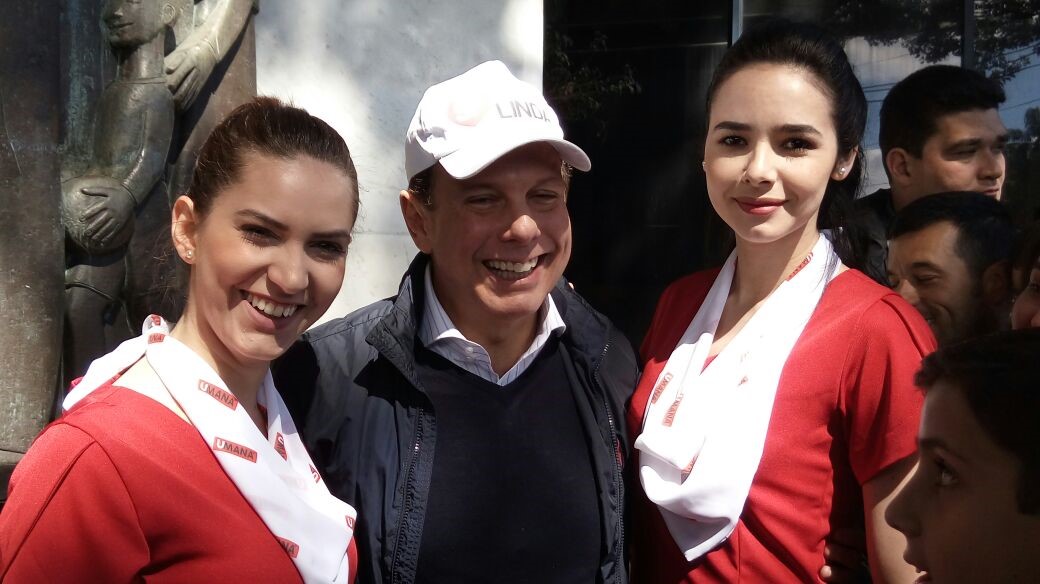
<point>268,258</point>
<point>770,151</point>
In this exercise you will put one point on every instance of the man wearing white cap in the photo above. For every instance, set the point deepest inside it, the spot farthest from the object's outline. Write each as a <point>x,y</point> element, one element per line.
<point>476,419</point>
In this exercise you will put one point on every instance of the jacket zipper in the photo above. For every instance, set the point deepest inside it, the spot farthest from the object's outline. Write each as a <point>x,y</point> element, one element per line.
<point>407,503</point>
<point>619,489</point>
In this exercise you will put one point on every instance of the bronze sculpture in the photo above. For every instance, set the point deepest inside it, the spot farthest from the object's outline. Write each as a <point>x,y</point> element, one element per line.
<point>190,65</point>
<point>117,213</point>
<point>113,210</point>
<point>101,154</point>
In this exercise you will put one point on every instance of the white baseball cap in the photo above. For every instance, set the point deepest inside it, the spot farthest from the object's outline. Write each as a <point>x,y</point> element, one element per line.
<point>470,121</point>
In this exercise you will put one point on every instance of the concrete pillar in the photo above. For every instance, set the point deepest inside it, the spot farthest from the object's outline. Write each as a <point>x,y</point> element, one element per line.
<point>31,237</point>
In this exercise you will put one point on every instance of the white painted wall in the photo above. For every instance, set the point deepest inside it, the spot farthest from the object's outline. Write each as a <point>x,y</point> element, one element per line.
<point>362,65</point>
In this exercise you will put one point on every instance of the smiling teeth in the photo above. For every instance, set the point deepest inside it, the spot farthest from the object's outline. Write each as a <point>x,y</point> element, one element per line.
<point>271,308</point>
<point>513,266</point>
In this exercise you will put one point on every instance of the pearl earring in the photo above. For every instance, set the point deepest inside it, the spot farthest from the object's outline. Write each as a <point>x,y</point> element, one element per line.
<point>841,170</point>
<point>190,254</point>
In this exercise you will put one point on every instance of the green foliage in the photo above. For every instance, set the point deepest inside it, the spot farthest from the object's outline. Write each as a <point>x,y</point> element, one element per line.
<point>579,91</point>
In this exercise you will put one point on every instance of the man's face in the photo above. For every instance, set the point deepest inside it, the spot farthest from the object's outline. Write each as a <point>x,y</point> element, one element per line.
<point>966,153</point>
<point>499,240</point>
<point>959,509</point>
<point>927,270</point>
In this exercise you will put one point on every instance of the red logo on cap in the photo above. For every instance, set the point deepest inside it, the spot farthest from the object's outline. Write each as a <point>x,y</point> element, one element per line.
<point>279,445</point>
<point>223,396</point>
<point>156,338</point>
<point>222,445</point>
<point>290,547</point>
<point>156,319</point>
<point>468,110</point>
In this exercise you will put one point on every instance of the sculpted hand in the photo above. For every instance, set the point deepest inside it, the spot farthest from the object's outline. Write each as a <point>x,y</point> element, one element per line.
<point>108,216</point>
<point>187,70</point>
<point>846,557</point>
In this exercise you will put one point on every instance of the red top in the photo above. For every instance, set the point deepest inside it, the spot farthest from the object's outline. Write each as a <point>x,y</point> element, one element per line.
<point>121,489</point>
<point>845,409</point>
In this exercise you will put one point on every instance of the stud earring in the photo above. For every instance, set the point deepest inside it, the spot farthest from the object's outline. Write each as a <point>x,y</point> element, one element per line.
<point>190,254</point>
<point>841,170</point>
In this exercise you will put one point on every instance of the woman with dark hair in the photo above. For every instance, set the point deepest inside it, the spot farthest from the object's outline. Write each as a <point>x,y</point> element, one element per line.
<point>777,402</point>
<point>176,460</point>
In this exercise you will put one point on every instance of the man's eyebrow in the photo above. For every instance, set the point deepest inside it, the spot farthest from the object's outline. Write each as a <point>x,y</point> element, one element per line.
<point>966,143</point>
<point>925,265</point>
<point>1000,140</point>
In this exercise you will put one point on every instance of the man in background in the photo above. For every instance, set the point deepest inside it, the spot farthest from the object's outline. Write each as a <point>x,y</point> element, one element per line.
<point>949,256</point>
<point>940,131</point>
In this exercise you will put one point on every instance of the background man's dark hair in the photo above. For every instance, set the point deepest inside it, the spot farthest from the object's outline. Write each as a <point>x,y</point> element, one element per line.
<point>910,112</point>
<point>997,374</point>
<point>984,231</point>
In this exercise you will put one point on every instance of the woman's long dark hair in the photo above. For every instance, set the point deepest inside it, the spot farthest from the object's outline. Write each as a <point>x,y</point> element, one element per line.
<point>809,47</point>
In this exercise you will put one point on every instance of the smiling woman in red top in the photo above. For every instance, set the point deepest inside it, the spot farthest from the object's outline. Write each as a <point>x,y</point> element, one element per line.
<point>176,460</point>
<point>777,401</point>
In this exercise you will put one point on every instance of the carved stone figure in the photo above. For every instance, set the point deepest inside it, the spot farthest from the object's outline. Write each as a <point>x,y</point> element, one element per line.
<point>115,209</point>
<point>211,72</point>
<point>117,212</point>
<point>216,25</point>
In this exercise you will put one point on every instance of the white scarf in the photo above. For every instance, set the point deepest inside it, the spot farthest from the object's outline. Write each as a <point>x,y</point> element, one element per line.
<point>704,429</point>
<point>274,472</point>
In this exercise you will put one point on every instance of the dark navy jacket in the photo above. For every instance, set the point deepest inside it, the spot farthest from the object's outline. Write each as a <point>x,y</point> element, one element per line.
<point>352,388</point>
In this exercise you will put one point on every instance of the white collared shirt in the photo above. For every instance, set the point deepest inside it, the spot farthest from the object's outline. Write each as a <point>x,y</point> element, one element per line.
<point>439,335</point>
